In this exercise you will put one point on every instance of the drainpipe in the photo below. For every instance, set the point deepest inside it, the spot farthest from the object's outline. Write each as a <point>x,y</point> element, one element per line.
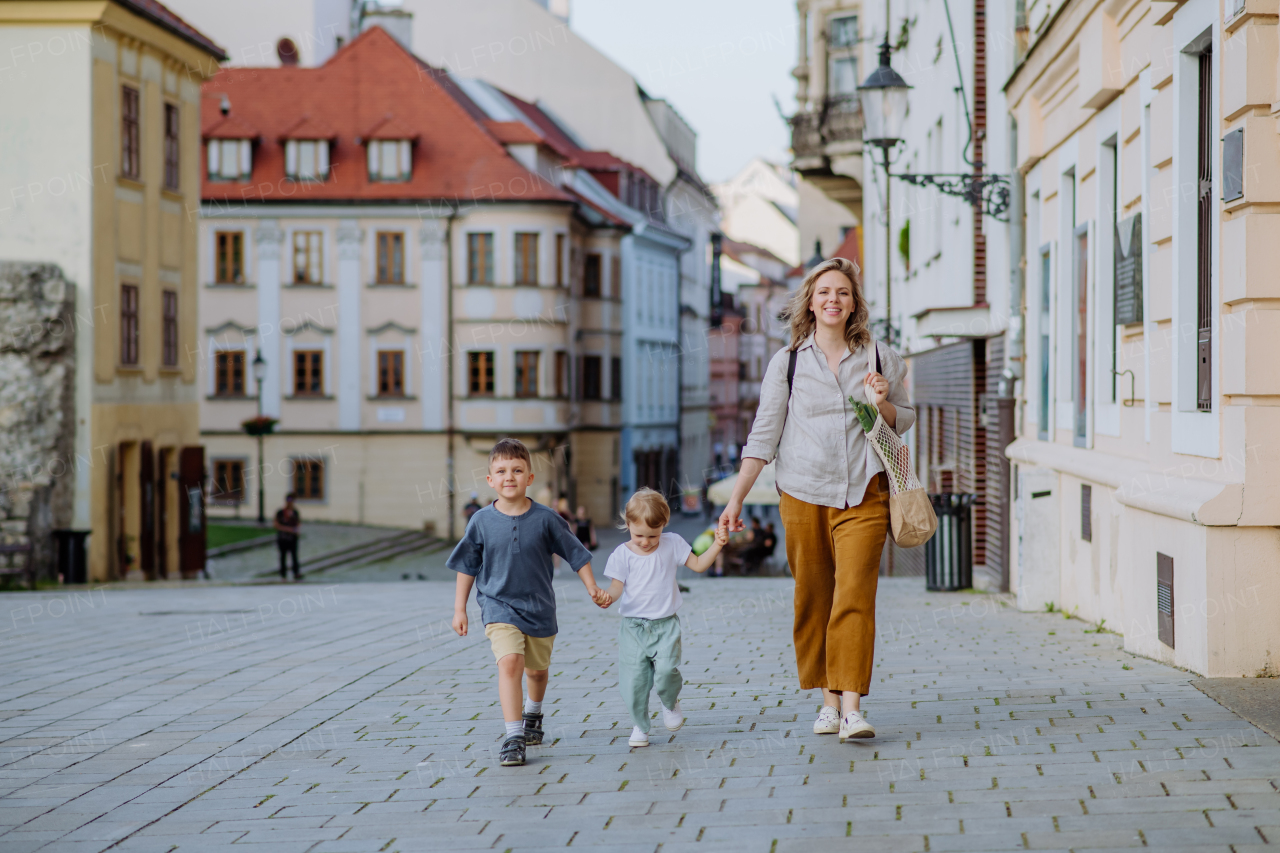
<point>1014,357</point>
<point>449,403</point>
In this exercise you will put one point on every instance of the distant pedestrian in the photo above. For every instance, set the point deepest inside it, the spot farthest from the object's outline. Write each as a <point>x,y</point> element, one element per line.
<point>288,527</point>
<point>506,554</point>
<point>643,573</point>
<point>471,508</point>
<point>585,530</point>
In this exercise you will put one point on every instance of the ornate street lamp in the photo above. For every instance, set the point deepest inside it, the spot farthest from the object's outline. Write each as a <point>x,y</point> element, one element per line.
<point>259,374</point>
<point>884,109</point>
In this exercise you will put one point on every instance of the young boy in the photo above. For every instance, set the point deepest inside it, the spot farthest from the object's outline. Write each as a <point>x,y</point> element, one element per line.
<point>644,576</point>
<point>506,552</point>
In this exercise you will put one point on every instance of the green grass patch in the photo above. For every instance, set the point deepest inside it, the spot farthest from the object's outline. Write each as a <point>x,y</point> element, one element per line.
<point>225,534</point>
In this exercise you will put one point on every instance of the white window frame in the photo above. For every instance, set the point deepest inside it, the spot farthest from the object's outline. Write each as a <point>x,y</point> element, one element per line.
<point>1106,399</point>
<point>389,160</point>
<point>1193,432</point>
<point>1061,401</point>
<point>291,343</point>
<point>306,159</point>
<point>391,336</point>
<point>229,159</point>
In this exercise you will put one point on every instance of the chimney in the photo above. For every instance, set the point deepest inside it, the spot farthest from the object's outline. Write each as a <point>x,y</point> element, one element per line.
<point>392,17</point>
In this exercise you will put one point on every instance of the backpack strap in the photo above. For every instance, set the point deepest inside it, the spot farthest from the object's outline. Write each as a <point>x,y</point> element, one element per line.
<point>791,371</point>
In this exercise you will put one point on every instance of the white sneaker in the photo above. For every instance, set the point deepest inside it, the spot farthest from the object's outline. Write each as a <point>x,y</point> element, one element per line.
<point>673,719</point>
<point>828,722</point>
<point>854,726</point>
<point>638,738</point>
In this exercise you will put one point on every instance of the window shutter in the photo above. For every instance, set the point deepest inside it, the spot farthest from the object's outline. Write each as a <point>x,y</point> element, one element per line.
<point>1164,598</point>
<point>1233,165</point>
<point>291,158</point>
<point>214,146</point>
<point>1086,513</point>
<point>322,158</point>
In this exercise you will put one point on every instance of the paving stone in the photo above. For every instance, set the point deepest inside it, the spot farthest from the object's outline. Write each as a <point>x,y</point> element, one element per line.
<point>349,726</point>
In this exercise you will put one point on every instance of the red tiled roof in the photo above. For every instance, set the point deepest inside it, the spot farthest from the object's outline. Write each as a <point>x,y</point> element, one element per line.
<point>309,128</point>
<point>851,248</point>
<point>737,250</point>
<point>456,156</point>
<point>566,147</point>
<point>391,127</point>
<point>163,16</point>
<point>230,127</point>
<point>513,132</point>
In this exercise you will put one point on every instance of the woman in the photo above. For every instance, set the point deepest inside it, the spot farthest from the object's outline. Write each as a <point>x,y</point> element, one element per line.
<point>585,530</point>
<point>835,496</point>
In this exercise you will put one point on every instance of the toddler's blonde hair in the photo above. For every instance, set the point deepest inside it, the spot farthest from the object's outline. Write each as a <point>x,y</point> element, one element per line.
<point>647,507</point>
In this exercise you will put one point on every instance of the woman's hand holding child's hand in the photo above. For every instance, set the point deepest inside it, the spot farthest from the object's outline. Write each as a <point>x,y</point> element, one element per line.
<point>722,534</point>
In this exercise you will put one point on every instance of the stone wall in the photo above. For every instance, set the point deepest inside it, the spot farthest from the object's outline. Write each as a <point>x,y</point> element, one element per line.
<point>37,406</point>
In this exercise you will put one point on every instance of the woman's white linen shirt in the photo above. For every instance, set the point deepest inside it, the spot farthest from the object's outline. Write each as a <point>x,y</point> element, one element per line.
<point>823,456</point>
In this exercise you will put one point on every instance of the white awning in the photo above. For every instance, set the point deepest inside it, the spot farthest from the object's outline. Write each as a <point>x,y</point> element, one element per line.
<point>763,493</point>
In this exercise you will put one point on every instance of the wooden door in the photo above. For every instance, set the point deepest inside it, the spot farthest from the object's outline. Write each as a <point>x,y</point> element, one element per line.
<point>162,512</point>
<point>191,503</point>
<point>147,511</point>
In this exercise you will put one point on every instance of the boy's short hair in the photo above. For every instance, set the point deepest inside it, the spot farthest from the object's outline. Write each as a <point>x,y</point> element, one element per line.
<point>510,448</point>
<point>647,507</point>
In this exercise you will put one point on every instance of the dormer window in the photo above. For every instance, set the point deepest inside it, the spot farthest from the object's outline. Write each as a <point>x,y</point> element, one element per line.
<point>390,160</point>
<point>306,159</point>
<point>230,159</point>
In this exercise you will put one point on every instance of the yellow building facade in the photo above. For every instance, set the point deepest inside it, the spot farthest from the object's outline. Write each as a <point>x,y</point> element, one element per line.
<point>102,147</point>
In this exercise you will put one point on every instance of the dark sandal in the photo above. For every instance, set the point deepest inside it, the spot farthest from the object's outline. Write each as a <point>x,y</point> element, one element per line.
<point>512,754</point>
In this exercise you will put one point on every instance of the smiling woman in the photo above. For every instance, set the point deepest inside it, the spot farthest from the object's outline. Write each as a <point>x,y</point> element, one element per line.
<point>834,495</point>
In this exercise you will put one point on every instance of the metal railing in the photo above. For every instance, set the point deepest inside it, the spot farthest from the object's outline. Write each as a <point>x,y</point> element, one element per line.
<point>839,120</point>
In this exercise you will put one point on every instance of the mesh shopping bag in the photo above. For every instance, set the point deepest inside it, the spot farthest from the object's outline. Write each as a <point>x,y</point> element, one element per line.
<point>911,517</point>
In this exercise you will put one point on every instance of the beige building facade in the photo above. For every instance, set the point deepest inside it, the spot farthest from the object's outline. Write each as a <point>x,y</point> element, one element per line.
<point>106,186</point>
<point>1147,467</point>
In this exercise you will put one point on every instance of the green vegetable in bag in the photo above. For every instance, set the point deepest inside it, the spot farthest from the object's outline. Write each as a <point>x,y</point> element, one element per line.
<point>866,413</point>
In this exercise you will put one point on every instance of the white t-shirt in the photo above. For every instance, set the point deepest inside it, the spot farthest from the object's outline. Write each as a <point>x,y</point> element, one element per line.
<point>650,590</point>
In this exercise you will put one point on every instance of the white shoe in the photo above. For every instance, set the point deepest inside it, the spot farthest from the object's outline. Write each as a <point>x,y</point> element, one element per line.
<point>828,722</point>
<point>854,726</point>
<point>673,719</point>
<point>638,738</point>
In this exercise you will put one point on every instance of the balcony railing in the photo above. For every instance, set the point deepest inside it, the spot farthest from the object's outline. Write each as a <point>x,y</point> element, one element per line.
<point>839,120</point>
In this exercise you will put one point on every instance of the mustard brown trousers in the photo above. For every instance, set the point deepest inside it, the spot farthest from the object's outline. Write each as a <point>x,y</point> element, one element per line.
<point>835,559</point>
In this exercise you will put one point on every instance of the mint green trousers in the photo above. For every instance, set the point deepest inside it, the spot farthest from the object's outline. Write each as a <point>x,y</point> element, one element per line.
<point>648,656</point>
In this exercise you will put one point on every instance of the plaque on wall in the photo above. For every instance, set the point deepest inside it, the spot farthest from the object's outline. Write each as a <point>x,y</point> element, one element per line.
<point>1128,261</point>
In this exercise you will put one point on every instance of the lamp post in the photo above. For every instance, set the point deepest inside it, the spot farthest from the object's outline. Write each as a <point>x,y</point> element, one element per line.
<point>259,374</point>
<point>884,109</point>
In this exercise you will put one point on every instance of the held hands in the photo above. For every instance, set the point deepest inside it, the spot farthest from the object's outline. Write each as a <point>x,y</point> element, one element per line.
<point>601,597</point>
<point>730,521</point>
<point>722,534</point>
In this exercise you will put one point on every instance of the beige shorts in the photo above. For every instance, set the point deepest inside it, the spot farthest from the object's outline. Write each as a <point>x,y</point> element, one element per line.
<point>507,639</point>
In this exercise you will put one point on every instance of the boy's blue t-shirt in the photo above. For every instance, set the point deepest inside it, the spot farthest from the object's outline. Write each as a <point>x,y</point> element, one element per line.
<point>510,558</point>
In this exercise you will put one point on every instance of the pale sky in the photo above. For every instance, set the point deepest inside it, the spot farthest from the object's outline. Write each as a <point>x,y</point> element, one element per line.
<point>718,62</point>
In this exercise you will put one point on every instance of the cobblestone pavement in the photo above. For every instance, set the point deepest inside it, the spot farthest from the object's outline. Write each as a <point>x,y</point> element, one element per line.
<point>349,718</point>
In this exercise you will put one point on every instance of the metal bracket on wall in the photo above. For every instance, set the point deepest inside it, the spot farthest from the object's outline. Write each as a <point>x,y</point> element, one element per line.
<point>990,192</point>
<point>1132,380</point>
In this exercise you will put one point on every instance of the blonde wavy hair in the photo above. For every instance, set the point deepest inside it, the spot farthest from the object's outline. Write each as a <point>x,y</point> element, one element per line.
<point>801,318</point>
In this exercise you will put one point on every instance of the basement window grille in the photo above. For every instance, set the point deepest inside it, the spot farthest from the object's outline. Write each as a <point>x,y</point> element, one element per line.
<point>1086,513</point>
<point>1164,598</point>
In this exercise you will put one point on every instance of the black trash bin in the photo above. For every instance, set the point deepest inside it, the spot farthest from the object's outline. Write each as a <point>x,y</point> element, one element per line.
<point>949,553</point>
<point>72,565</point>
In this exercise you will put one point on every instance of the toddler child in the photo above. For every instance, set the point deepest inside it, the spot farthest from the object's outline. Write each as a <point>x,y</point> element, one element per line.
<point>644,578</point>
<point>506,552</point>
